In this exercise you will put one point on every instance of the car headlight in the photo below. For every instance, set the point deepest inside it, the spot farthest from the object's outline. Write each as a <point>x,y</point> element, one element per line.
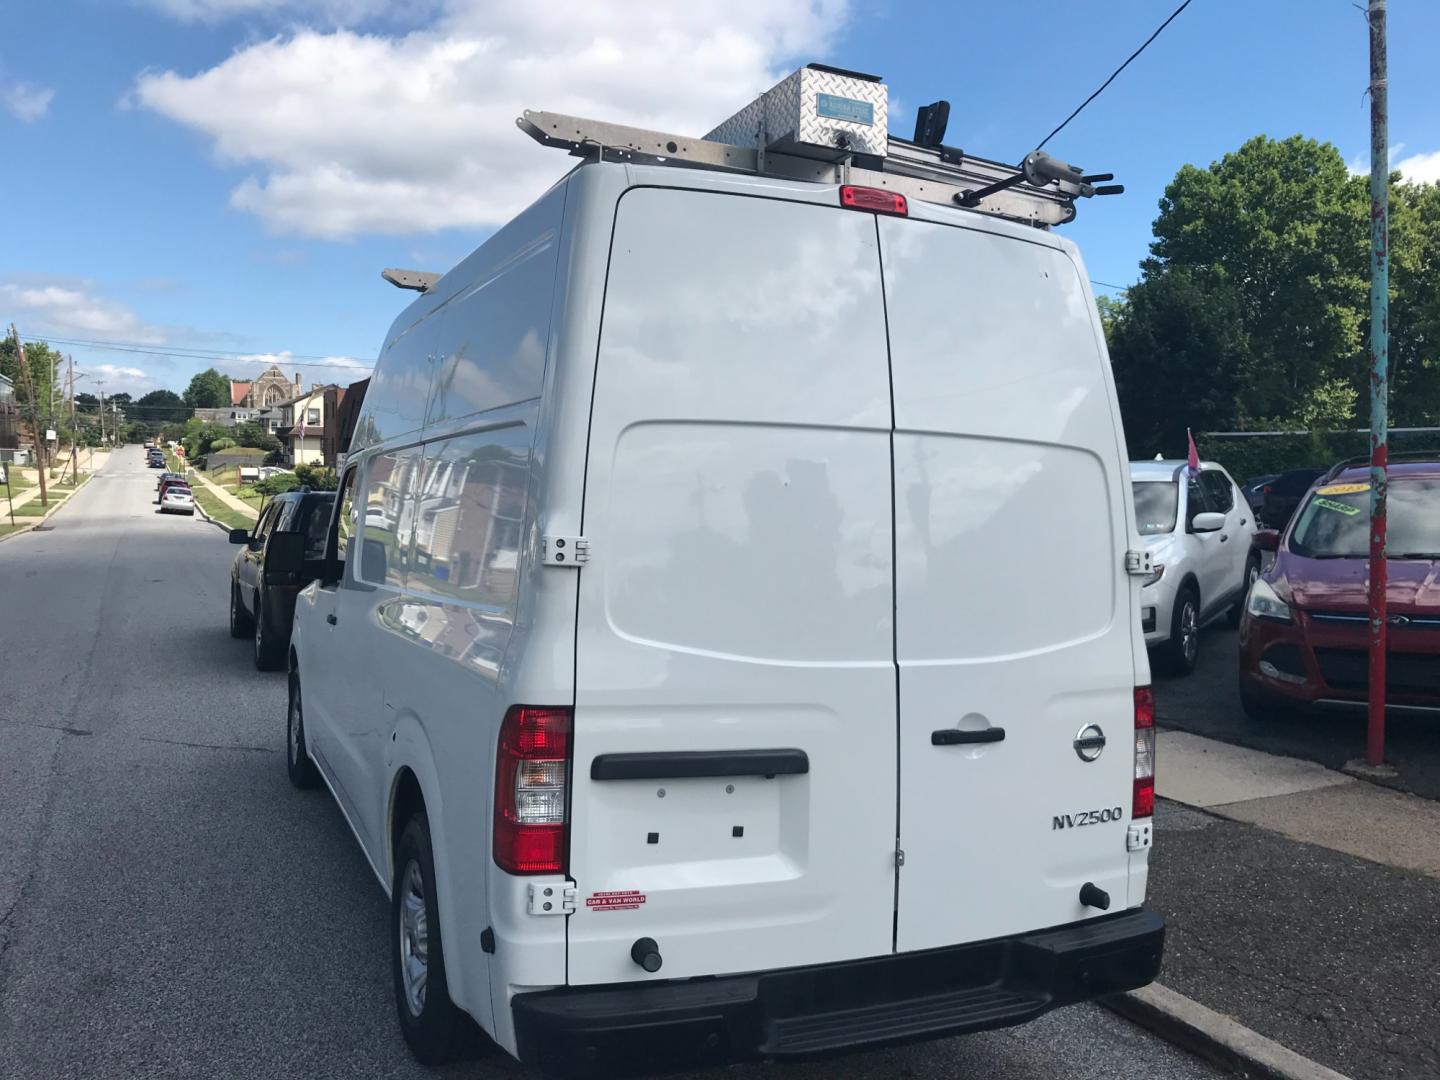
<point>1155,575</point>
<point>1265,603</point>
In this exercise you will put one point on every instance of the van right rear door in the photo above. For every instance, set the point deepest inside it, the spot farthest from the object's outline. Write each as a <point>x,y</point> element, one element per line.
<point>1013,609</point>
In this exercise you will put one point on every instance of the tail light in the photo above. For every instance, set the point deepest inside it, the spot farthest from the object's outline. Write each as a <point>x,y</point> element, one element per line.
<point>1268,489</point>
<point>1144,801</point>
<point>876,200</point>
<point>532,797</point>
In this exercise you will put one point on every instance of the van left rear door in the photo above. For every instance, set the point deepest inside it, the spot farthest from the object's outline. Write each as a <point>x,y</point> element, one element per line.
<point>739,599</point>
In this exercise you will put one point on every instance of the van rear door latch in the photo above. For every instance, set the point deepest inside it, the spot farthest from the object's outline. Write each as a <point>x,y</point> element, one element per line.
<point>1139,562</point>
<point>552,899</point>
<point>564,551</point>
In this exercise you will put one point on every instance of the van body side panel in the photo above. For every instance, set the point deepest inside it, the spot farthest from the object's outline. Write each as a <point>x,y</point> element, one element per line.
<point>1004,441</point>
<point>739,596</point>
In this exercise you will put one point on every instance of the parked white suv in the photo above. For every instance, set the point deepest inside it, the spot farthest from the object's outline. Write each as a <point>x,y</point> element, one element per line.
<point>1198,529</point>
<point>690,658</point>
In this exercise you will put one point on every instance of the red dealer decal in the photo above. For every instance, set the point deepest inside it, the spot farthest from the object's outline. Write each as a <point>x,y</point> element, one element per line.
<point>615,901</point>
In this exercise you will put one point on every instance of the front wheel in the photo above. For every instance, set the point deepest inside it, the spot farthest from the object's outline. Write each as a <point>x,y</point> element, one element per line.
<point>303,773</point>
<point>1182,651</point>
<point>1252,571</point>
<point>267,648</point>
<point>434,1028</point>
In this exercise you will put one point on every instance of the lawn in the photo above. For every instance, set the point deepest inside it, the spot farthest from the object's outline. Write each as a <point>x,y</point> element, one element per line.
<point>214,508</point>
<point>33,508</point>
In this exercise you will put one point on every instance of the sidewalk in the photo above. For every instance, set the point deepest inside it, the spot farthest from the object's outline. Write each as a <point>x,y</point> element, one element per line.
<point>238,505</point>
<point>1303,902</point>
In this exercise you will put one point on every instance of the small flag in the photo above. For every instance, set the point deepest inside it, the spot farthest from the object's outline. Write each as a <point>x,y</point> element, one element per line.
<point>1192,456</point>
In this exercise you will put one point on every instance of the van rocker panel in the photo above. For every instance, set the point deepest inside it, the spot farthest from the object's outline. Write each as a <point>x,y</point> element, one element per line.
<point>806,1011</point>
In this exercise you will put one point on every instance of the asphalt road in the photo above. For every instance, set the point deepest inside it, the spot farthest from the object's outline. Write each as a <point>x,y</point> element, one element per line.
<point>1207,702</point>
<point>171,907</point>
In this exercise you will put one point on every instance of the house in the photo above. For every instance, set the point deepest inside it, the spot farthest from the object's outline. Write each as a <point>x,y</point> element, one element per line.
<point>9,416</point>
<point>270,389</point>
<point>302,423</point>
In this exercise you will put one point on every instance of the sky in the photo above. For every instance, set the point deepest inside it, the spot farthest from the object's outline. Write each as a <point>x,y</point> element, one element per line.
<point>220,182</point>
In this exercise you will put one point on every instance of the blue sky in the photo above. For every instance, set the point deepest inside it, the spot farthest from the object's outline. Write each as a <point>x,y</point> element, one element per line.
<point>229,176</point>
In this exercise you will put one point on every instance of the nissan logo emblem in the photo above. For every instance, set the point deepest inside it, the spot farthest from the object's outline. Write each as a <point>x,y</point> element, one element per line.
<point>1090,742</point>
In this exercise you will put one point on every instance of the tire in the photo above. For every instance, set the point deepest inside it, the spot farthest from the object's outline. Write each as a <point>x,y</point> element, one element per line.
<point>241,625</point>
<point>435,1030</point>
<point>1182,652</point>
<point>1263,708</point>
<point>267,648</point>
<point>1252,571</point>
<point>303,773</point>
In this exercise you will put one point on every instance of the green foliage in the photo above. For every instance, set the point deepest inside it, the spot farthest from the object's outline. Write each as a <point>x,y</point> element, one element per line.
<point>252,434</point>
<point>277,484</point>
<point>162,407</point>
<point>46,366</point>
<point>199,435</point>
<point>208,390</point>
<point>317,477</point>
<point>219,444</point>
<point>1253,308</point>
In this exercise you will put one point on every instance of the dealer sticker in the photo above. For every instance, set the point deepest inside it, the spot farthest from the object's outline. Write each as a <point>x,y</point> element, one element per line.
<point>615,901</point>
<point>1338,507</point>
<point>1343,489</point>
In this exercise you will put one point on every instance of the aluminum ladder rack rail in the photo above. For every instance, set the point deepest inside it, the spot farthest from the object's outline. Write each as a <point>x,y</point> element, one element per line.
<point>929,174</point>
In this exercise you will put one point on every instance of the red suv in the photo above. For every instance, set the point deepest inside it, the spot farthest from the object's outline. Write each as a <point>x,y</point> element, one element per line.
<point>1305,632</point>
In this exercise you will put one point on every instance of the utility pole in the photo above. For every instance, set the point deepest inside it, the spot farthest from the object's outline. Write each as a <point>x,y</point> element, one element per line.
<point>1379,373</point>
<point>100,384</point>
<point>74,428</point>
<point>35,431</point>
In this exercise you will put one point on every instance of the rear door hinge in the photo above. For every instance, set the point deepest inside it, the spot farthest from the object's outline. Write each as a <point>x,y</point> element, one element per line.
<point>564,551</point>
<point>1139,835</point>
<point>1139,562</point>
<point>552,899</point>
<point>899,856</point>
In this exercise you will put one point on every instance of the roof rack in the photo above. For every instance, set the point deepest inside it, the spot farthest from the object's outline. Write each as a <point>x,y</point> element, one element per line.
<point>827,125</point>
<point>1394,459</point>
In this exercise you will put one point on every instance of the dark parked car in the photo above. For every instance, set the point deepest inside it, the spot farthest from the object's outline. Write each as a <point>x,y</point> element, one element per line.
<point>1284,493</point>
<point>1306,629</point>
<point>264,610</point>
<point>1254,490</point>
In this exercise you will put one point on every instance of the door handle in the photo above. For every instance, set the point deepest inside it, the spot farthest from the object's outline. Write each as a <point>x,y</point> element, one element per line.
<point>952,737</point>
<point>330,618</point>
<point>1224,537</point>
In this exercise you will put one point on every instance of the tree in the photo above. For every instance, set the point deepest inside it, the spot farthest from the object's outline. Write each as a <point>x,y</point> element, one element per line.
<point>1180,358</point>
<point>208,390</point>
<point>253,435</point>
<point>1285,226</point>
<point>45,365</point>
<point>162,407</point>
<point>87,401</point>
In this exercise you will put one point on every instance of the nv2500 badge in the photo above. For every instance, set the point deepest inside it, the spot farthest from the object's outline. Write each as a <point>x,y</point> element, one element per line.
<point>1086,817</point>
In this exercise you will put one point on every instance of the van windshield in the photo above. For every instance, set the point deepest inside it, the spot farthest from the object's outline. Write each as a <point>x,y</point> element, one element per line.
<point>1156,503</point>
<point>1335,523</point>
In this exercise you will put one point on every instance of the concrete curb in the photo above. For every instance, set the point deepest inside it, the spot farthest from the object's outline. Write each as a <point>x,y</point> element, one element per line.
<point>1215,1037</point>
<point>218,524</point>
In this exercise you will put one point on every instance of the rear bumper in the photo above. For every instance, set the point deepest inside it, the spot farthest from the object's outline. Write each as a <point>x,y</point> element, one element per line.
<point>802,1012</point>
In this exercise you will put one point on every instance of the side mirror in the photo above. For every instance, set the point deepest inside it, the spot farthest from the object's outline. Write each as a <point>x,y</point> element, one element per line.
<point>1207,522</point>
<point>285,559</point>
<point>1267,539</point>
<point>239,536</point>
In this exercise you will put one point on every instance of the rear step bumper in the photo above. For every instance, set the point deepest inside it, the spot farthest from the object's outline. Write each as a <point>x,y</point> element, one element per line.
<point>800,1012</point>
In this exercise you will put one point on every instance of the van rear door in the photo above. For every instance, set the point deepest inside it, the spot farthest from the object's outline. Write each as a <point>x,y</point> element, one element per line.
<point>734,788</point>
<point>1012,604</point>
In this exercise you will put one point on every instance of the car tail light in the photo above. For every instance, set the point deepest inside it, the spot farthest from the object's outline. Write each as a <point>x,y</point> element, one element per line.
<point>876,200</point>
<point>532,796</point>
<point>1144,801</point>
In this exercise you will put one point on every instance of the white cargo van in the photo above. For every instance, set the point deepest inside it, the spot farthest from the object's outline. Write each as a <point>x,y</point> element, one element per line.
<point>694,658</point>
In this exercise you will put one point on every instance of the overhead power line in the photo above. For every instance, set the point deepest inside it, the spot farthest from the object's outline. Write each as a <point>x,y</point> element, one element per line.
<point>188,353</point>
<point>1107,285</point>
<point>1113,74</point>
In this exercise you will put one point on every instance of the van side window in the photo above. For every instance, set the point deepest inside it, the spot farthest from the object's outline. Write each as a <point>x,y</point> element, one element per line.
<point>1218,492</point>
<point>387,512</point>
<point>344,527</point>
<point>469,517</point>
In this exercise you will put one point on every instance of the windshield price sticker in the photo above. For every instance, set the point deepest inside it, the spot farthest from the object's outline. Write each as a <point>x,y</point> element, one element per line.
<point>1338,507</point>
<point>1343,489</point>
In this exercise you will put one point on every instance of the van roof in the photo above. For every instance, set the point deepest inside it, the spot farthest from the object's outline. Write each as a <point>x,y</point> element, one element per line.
<point>1164,469</point>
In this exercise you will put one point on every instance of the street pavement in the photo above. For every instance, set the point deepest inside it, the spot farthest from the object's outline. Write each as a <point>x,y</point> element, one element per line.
<point>1208,703</point>
<point>171,907</point>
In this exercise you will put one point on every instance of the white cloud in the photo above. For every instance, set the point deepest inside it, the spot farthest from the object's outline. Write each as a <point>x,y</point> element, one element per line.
<point>26,101</point>
<point>71,309</point>
<point>373,133</point>
<point>337,369</point>
<point>1420,168</point>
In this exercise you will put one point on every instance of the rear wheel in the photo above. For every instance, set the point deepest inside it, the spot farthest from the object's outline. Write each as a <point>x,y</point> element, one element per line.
<point>241,625</point>
<point>303,773</point>
<point>435,1030</point>
<point>1182,651</point>
<point>267,648</point>
<point>1252,571</point>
